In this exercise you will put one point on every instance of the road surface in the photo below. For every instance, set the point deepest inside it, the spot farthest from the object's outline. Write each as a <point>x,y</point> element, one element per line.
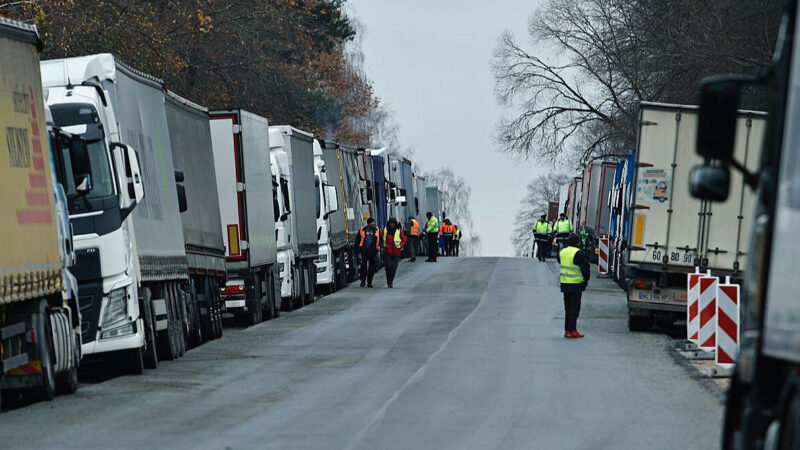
<point>464,353</point>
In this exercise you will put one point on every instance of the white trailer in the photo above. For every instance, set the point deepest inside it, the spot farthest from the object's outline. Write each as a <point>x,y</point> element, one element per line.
<point>672,232</point>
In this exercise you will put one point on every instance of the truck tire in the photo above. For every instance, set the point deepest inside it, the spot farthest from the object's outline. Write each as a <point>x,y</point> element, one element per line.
<point>67,382</point>
<point>639,323</point>
<point>269,290</point>
<point>44,332</point>
<point>167,343</point>
<point>196,325</point>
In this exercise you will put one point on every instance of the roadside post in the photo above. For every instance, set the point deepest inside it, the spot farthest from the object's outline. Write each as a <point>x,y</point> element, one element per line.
<point>727,328</point>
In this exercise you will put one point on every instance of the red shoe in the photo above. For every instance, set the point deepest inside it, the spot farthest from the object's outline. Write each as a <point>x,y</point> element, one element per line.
<point>568,334</point>
<point>576,334</point>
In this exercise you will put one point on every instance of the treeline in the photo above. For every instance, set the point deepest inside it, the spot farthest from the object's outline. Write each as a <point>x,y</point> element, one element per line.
<point>573,93</point>
<point>284,59</point>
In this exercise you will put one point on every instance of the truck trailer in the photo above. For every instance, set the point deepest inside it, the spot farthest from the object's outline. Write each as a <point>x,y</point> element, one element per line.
<point>358,197</point>
<point>40,341</point>
<point>666,241</point>
<point>246,194</point>
<point>193,156</point>
<point>331,237</point>
<point>292,158</point>
<point>133,271</point>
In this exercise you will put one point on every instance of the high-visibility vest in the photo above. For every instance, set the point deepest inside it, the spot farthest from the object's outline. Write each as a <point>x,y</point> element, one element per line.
<point>414,227</point>
<point>457,235</point>
<point>563,226</point>
<point>397,240</point>
<point>570,273</point>
<point>584,235</point>
<point>447,230</point>
<point>542,227</point>
<point>377,238</point>
<point>433,225</point>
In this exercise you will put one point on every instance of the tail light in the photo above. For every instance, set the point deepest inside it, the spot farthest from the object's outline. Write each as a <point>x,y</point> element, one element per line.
<point>232,289</point>
<point>642,284</point>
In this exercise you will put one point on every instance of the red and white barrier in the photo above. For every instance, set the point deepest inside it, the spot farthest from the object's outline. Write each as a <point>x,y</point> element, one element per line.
<point>727,329</point>
<point>708,312</point>
<point>693,305</point>
<point>602,258</point>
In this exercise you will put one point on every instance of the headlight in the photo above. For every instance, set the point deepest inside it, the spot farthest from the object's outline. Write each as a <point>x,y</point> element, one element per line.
<point>322,258</point>
<point>123,330</point>
<point>116,307</point>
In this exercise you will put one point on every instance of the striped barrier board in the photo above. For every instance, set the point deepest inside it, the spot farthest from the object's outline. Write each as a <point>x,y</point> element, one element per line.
<point>727,323</point>
<point>602,258</point>
<point>708,312</point>
<point>693,305</point>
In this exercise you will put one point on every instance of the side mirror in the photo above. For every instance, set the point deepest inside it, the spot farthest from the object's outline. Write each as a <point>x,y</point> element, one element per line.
<point>284,216</point>
<point>716,125</point>
<point>182,204</point>
<point>333,199</point>
<point>710,183</point>
<point>136,182</point>
<point>85,186</point>
<point>126,165</point>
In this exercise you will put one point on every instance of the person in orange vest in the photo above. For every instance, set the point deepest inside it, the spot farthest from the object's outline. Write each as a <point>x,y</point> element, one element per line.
<point>394,239</point>
<point>369,244</point>
<point>446,231</point>
<point>413,238</point>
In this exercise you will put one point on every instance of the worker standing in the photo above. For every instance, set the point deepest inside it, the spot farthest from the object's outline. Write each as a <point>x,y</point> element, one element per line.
<point>542,231</point>
<point>456,240</point>
<point>446,231</point>
<point>369,244</point>
<point>563,228</point>
<point>394,239</point>
<point>574,276</point>
<point>413,238</point>
<point>432,230</point>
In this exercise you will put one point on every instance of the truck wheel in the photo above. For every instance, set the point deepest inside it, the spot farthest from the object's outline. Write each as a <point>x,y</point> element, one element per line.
<point>269,290</point>
<point>47,391</point>
<point>166,338</point>
<point>150,350</point>
<point>67,383</point>
<point>639,323</point>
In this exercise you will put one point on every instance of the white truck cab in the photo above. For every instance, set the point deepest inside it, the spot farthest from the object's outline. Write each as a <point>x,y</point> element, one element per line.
<point>326,203</point>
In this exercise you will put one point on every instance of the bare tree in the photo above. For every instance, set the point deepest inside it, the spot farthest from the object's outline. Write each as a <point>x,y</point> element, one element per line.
<point>610,56</point>
<point>538,193</point>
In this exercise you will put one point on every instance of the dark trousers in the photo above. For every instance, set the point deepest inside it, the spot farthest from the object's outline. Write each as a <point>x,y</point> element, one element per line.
<point>561,238</point>
<point>541,249</point>
<point>413,243</point>
<point>390,263</point>
<point>368,265</point>
<point>572,308</point>
<point>448,245</point>
<point>455,247</point>
<point>433,239</point>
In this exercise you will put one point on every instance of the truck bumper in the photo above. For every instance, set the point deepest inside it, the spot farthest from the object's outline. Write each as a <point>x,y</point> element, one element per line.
<point>285,259</point>
<point>324,268</point>
<point>131,341</point>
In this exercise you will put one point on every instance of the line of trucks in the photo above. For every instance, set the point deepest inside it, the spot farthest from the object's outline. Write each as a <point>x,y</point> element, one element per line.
<point>133,219</point>
<point>657,232</point>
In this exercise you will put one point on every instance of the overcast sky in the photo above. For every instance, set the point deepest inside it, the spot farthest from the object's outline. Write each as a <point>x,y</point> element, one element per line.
<point>430,61</point>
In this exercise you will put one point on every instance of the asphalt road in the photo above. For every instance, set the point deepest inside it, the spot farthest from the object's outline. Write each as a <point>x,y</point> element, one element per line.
<point>464,353</point>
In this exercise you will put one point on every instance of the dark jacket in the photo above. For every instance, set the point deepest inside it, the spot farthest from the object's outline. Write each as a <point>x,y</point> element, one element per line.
<point>582,261</point>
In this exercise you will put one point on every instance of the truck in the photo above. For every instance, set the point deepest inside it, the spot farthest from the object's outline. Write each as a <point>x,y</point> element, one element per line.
<point>763,402</point>
<point>401,189</point>
<point>671,232</point>
<point>619,224</point>
<point>133,274</point>
<point>357,199</point>
<point>598,178</point>
<point>420,209</point>
<point>331,236</point>
<point>246,193</point>
<point>193,157</point>
<point>381,186</point>
<point>40,341</point>
<point>292,163</point>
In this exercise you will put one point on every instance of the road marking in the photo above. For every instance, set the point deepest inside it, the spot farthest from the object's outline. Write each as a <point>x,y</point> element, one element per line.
<point>381,413</point>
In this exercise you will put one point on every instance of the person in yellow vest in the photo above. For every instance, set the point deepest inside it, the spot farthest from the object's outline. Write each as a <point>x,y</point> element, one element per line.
<point>575,274</point>
<point>456,239</point>
<point>413,238</point>
<point>394,239</point>
<point>432,232</point>
<point>542,230</point>
<point>563,228</point>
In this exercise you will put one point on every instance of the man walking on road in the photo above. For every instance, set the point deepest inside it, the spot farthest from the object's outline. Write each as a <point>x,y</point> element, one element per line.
<point>394,239</point>
<point>413,238</point>
<point>575,274</point>
<point>563,228</point>
<point>541,236</point>
<point>456,240</point>
<point>369,244</point>
<point>446,231</point>
<point>432,230</point>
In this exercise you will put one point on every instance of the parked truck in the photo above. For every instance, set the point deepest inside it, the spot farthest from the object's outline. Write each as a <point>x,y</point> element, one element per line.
<point>247,199</point>
<point>40,342</point>
<point>667,241</point>
<point>358,197</point>
<point>763,402</point>
<point>133,273</point>
<point>331,236</point>
<point>621,202</point>
<point>292,158</point>
<point>193,156</point>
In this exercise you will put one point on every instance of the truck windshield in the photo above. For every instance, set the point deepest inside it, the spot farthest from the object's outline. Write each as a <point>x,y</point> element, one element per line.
<point>93,165</point>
